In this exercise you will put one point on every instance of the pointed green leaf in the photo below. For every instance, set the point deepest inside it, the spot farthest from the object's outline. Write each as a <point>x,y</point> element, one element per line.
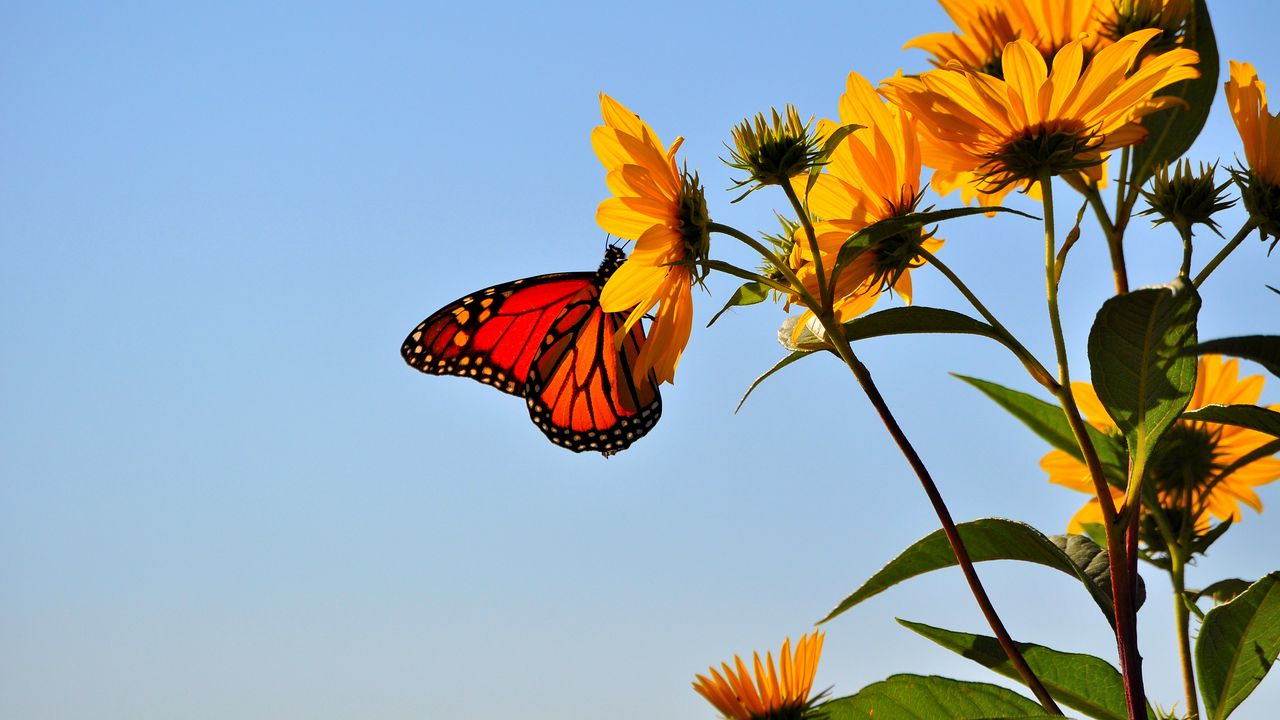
<point>1245,416</point>
<point>836,137</point>
<point>797,355</point>
<point>746,294</point>
<point>929,697</point>
<point>915,319</point>
<point>1238,643</point>
<point>1139,370</point>
<point>890,226</point>
<point>1262,349</point>
<point>1050,423</point>
<point>1084,682</point>
<point>1170,132</point>
<point>1224,590</point>
<point>992,539</point>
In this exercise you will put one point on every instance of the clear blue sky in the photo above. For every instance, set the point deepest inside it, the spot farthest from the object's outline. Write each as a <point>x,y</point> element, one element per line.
<point>222,494</point>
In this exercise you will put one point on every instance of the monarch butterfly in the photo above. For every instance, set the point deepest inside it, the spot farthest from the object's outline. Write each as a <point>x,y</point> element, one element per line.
<point>545,339</point>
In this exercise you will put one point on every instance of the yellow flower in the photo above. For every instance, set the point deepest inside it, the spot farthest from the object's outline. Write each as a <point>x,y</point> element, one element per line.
<point>987,26</point>
<point>1191,456</point>
<point>1008,131</point>
<point>1259,129</point>
<point>874,174</point>
<point>778,693</point>
<point>663,210</point>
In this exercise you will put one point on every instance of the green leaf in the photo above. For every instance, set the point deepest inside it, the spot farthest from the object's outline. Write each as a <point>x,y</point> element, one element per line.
<point>833,141</point>
<point>890,226</point>
<point>1245,416</point>
<point>1086,683</point>
<point>746,294</point>
<point>992,539</point>
<point>1262,349</point>
<point>1091,558</point>
<point>797,355</point>
<point>1139,370</point>
<point>929,697</point>
<point>915,319</point>
<point>1170,132</point>
<point>1224,590</point>
<point>1050,423</point>
<point>1238,643</point>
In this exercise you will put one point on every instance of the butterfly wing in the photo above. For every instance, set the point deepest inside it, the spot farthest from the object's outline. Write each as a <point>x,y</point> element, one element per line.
<point>582,391</point>
<point>493,335</point>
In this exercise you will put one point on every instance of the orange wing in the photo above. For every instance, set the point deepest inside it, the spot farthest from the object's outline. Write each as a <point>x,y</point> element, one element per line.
<point>582,390</point>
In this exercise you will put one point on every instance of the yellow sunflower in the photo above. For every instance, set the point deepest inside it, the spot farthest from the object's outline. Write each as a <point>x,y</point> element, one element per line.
<point>985,27</point>
<point>1191,456</point>
<point>874,174</point>
<point>778,693</point>
<point>1259,129</point>
<point>1008,131</point>
<point>664,211</point>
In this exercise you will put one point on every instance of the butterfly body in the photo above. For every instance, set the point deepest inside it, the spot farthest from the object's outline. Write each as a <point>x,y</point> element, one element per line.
<point>546,339</point>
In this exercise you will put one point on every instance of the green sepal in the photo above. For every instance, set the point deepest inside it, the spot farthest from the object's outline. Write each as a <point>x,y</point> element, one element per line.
<point>1238,643</point>
<point>1050,423</point>
<point>928,697</point>
<point>1245,416</point>
<point>1139,369</point>
<point>1171,131</point>
<point>1262,349</point>
<point>1200,543</point>
<point>1084,682</point>
<point>749,293</point>
<point>997,539</point>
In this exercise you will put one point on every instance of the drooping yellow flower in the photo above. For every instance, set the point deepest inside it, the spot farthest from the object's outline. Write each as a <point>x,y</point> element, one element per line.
<point>1008,131</point>
<point>778,693</point>
<point>874,174</point>
<point>664,211</point>
<point>1259,129</point>
<point>1186,470</point>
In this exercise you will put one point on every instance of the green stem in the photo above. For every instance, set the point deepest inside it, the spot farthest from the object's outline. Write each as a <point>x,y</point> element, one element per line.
<point>803,214</point>
<point>1184,230</point>
<point>773,258</point>
<point>1114,236</point>
<point>1117,542</point>
<point>729,269</point>
<point>1226,250</point>
<point>1037,370</point>
<point>1123,179</point>
<point>1182,621</point>
<point>1065,394</point>
<point>863,375</point>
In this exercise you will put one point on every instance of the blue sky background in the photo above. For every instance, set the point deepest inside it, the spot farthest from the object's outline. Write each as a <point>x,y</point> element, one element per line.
<point>222,493</point>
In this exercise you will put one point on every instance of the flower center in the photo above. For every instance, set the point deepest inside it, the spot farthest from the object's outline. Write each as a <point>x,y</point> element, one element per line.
<point>899,252</point>
<point>694,219</point>
<point>1186,461</point>
<point>1058,146</point>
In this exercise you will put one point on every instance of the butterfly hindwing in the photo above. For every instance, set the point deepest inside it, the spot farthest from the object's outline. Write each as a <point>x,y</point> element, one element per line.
<point>582,389</point>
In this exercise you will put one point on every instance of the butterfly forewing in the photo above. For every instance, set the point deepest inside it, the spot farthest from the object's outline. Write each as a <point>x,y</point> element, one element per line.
<point>492,335</point>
